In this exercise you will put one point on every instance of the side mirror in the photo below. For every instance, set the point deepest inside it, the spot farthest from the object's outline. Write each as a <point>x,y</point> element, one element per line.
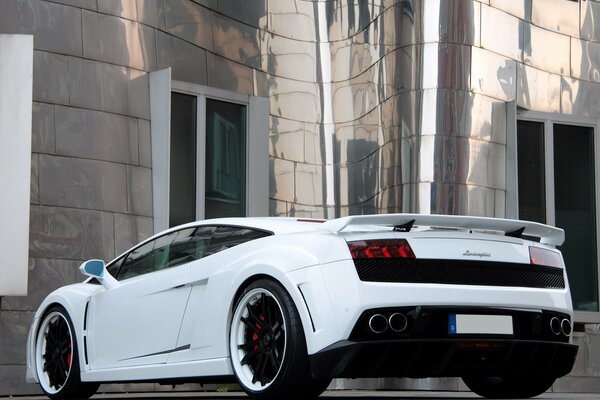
<point>97,269</point>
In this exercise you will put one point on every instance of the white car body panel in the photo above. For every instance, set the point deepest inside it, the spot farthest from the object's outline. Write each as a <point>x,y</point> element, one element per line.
<point>174,323</point>
<point>123,328</point>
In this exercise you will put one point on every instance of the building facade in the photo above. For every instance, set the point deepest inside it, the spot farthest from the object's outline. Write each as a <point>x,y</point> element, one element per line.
<point>147,113</point>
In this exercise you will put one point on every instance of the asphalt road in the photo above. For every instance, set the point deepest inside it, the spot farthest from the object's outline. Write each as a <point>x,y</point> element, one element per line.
<point>332,394</point>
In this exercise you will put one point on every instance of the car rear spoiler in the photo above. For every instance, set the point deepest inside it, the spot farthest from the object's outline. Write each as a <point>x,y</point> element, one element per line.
<point>510,227</point>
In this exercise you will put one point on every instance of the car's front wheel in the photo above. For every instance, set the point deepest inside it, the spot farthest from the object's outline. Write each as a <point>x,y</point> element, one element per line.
<point>268,347</point>
<point>510,387</point>
<point>57,360</point>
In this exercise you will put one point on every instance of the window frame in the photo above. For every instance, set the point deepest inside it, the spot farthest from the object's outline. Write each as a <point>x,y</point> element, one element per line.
<point>123,257</point>
<point>257,148</point>
<point>549,120</point>
<point>202,93</point>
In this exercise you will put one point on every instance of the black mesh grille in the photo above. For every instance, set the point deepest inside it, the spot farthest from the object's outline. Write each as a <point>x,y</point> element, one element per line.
<point>459,272</point>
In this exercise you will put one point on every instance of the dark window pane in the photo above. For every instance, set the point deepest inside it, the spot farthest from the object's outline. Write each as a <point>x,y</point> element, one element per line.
<point>182,249</point>
<point>140,261</point>
<point>114,266</point>
<point>225,159</point>
<point>531,173</point>
<point>189,245</point>
<point>574,189</point>
<point>182,191</point>
<point>226,237</point>
<point>167,251</point>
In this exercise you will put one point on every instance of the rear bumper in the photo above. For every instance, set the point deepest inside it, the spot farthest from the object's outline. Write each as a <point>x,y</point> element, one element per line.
<point>428,345</point>
<point>443,357</point>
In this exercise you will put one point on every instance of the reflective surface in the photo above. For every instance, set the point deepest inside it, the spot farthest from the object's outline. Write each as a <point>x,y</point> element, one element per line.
<point>374,106</point>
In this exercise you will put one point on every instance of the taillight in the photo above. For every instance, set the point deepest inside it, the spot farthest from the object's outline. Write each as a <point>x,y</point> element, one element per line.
<point>381,248</point>
<point>539,256</point>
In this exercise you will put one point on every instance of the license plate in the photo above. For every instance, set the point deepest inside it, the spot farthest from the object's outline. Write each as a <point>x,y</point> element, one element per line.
<point>466,324</point>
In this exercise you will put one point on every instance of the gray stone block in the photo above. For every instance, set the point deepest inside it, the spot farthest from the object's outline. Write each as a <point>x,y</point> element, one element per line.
<point>45,275</point>
<point>189,21</point>
<point>97,135</point>
<point>139,190</point>
<point>130,230</point>
<point>145,143</point>
<point>56,28</point>
<point>251,12</point>
<point>13,381</point>
<point>577,384</point>
<point>149,12</point>
<point>50,77</point>
<point>72,234</point>
<point>14,327</point>
<point>588,356</point>
<point>228,75</point>
<point>236,41</point>
<point>88,4</point>
<point>118,41</point>
<point>187,61</point>
<point>100,86</point>
<point>42,130</point>
<point>35,188</point>
<point>81,183</point>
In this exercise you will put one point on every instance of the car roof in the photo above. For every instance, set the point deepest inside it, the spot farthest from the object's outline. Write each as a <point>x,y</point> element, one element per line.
<point>277,225</point>
<point>401,222</point>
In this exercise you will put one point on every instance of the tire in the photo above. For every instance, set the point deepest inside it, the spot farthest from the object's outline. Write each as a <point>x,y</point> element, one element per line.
<point>510,387</point>
<point>57,358</point>
<point>268,347</point>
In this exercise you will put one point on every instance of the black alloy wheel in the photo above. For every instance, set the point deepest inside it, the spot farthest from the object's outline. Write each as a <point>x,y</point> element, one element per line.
<point>268,346</point>
<point>57,360</point>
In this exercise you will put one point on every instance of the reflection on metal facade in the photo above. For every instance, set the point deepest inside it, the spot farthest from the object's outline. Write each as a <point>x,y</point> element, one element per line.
<point>375,106</point>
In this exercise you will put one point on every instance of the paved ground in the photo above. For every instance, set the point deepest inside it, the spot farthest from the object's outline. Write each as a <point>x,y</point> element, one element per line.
<point>333,394</point>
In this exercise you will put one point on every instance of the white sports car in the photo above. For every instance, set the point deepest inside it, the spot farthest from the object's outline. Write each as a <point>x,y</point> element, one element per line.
<point>283,305</point>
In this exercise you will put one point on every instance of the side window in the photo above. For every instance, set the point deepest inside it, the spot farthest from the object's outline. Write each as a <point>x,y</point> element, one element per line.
<point>225,237</point>
<point>190,247</point>
<point>114,266</point>
<point>163,252</point>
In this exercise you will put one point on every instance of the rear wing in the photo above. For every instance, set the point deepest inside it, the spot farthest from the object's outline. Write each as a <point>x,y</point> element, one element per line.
<point>510,227</point>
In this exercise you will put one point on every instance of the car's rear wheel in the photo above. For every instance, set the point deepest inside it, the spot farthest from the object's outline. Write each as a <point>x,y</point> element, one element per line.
<point>57,360</point>
<point>510,387</point>
<point>268,347</point>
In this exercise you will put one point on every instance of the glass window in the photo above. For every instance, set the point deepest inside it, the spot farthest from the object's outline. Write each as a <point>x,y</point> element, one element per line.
<point>225,237</point>
<point>574,196</point>
<point>225,159</point>
<point>222,168</point>
<point>182,190</point>
<point>187,248</point>
<point>564,196</point>
<point>115,265</point>
<point>163,252</point>
<point>210,152</point>
<point>531,171</point>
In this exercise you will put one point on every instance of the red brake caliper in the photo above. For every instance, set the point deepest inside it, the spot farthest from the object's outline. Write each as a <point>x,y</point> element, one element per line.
<point>255,335</point>
<point>69,357</point>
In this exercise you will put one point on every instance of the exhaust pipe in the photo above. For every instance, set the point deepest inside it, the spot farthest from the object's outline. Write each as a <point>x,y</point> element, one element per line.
<point>555,326</point>
<point>398,322</point>
<point>566,327</point>
<point>378,323</point>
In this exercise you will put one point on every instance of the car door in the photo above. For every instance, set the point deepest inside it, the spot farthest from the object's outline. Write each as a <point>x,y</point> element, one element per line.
<point>137,322</point>
<point>199,335</point>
